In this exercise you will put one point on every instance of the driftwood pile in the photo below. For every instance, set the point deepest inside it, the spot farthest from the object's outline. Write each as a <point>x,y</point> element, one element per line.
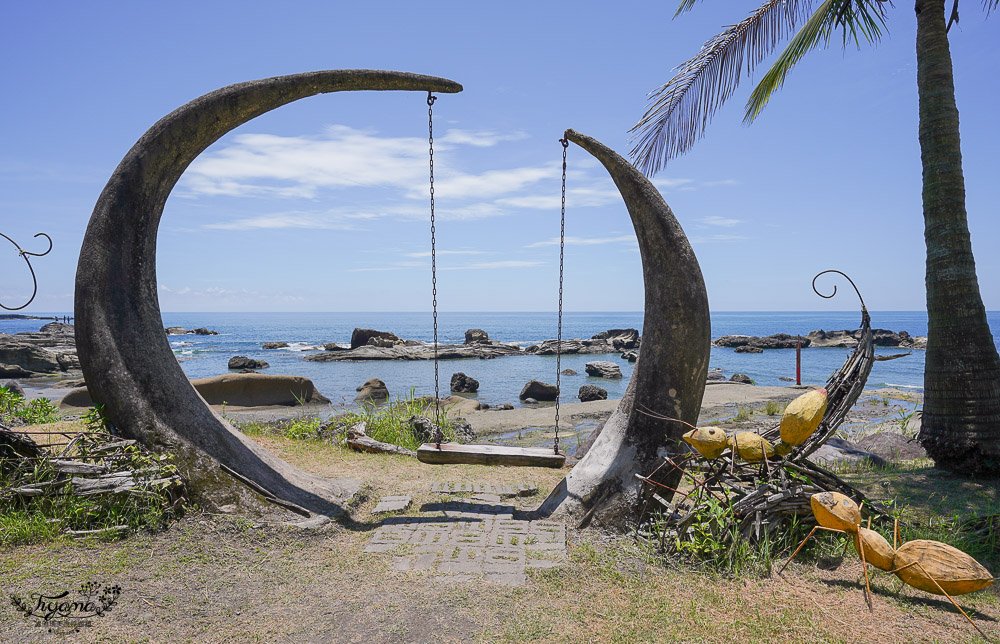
<point>87,464</point>
<point>734,500</point>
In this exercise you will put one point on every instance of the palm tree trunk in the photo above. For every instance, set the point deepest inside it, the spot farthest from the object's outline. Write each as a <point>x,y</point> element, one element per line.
<point>961,419</point>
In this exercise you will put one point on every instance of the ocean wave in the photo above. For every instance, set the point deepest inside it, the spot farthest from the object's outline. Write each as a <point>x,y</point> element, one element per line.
<point>181,344</point>
<point>889,384</point>
<point>305,346</point>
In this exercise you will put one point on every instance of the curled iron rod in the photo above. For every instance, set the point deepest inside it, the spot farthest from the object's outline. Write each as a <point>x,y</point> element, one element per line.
<point>833,270</point>
<point>23,253</point>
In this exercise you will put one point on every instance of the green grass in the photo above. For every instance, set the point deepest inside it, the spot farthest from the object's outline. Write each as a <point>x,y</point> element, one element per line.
<point>389,424</point>
<point>743,414</point>
<point>34,412</point>
<point>773,408</point>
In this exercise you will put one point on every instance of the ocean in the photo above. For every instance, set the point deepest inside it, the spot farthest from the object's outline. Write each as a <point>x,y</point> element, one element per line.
<point>501,379</point>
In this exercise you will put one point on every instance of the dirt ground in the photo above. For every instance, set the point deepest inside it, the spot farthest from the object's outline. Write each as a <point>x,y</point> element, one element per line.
<point>224,578</point>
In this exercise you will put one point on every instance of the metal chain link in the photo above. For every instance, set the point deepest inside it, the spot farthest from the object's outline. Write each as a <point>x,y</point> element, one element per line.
<point>439,434</point>
<point>562,249</point>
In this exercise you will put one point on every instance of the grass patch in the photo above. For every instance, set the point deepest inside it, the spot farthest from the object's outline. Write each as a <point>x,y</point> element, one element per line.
<point>743,414</point>
<point>390,423</point>
<point>773,407</point>
<point>15,410</point>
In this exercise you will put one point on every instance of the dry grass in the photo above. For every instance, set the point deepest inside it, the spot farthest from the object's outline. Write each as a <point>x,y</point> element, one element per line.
<point>218,578</point>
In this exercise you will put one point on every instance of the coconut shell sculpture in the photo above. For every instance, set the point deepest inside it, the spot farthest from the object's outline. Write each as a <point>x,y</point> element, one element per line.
<point>931,566</point>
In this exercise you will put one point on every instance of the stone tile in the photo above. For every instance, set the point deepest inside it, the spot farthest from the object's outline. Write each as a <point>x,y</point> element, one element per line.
<point>392,504</point>
<point>428,537</point>
<point>486,498</point>
<point>527,489</point>
<point>466,538</point>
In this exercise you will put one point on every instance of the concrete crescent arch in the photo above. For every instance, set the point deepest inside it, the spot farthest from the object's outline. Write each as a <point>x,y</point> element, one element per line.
<point>126,358</point>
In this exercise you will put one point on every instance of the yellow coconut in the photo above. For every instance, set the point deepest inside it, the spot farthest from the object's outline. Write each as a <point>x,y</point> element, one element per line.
<point>953,570</point>
<point>878,552</point>
<point>802,416</point>
<point>751,447</point>
<point>709,441</point>
<point>837,511</point>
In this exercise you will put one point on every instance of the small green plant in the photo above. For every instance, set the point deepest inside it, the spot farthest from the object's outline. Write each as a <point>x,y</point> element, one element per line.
<point>743,414</point>
<point>32,412</point>
<point>390,424</point>
<point>773,408</point>
<point>95,419</point>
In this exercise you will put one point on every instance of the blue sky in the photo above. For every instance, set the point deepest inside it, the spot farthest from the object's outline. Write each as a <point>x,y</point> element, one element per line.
<point>322,205</point>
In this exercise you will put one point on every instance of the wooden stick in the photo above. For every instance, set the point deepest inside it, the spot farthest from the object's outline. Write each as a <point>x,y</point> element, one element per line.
<point>953,603</point>
<point>864,567</point>
<point>819,527</point>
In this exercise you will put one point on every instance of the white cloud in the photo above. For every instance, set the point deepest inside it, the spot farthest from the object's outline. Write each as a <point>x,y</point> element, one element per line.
<point>427,253</point>
<point>584,241</point>
<point>479,138</point>
<point>314,221</point>
<point>510,263</point>
<point>715,220</point>
<point>575,198</point>
<point>717,238</point>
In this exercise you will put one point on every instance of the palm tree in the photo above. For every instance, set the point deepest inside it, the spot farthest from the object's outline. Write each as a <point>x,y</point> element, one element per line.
<point>961,418</point>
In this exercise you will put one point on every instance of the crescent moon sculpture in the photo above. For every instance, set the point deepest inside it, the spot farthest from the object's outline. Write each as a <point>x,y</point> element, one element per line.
<point>670,374</point>
<point>124,353</point>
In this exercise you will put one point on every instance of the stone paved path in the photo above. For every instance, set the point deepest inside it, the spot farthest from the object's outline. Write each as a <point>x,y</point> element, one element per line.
<point>471,541</point>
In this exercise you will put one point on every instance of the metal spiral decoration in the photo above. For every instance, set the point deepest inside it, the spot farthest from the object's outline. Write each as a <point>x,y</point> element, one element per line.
<point>25,254</point>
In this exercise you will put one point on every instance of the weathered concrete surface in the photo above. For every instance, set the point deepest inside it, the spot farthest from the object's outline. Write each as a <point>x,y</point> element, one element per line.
<point>669,376</point>
<point>124,352</point>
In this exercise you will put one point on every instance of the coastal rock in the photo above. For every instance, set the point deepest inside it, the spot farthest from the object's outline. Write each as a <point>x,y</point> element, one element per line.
<point>620,339</point>
<point>840,452</point>
<point>374,390</point>
<point>360,337</point>
<point>892,447</point>
<point>29,357</point>
<point>612,344</point>
<point>274,345</point>
<point>247,371</point>
<point>68,361</point>
<point>568,372</point>
<point>243,362</point>
<point>423,428</point>
<point>13,387</point>
<point>452,405</point>
<point>507,407</point>
<point>716,374</point>
<point>463,430</point>
<point>385,343</point>
<point>880,337</point>
<point>179,330</point>
<point>748,349</point>
<point>786,379</point>
<point>418,351</point>
<point>630,355</point>
<point>463,384</point>
<point>333,346</point>
<point>476,336</point>
<point>604,369</point>
<point>776,341</point>
<point>741,378</point>
<point>530,401</point>
<point>14,371</point>
<point>240,390</point>
<point>592,392</point>
<point>539,391</point>
<point>69,384</point>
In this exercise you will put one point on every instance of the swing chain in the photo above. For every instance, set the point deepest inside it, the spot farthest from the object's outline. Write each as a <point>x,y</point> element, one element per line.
<point>439,435</point>
<point>562,249</point>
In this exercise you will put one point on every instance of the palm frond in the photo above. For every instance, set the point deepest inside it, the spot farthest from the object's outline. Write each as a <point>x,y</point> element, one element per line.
<point>686,5</point>
<point>679,111</point>
<point>989,5</point>
<point>859,19</point>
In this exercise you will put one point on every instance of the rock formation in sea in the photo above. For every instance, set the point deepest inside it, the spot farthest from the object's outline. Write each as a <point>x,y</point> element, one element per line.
<point>841,339</point>
<point>592,392</point>
<point>476,336</point>
<point>179,330</point>
<point>243,362</point>
<point>463,384</point>
<point>50,350</point>
<point>539,391</point>
<point>374,390</point>
<point>604,369</point>
<point>274,345</point>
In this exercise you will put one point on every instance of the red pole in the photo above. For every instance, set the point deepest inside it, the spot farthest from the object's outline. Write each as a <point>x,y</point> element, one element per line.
<point>798,363</point>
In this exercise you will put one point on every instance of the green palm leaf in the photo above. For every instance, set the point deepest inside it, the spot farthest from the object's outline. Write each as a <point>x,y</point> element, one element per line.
<point>859,19</point>
<point>679,111</point>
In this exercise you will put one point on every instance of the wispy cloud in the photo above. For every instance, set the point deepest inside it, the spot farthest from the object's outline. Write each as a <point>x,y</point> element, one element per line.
<point>479,138</point>
<point>702,239</point>
<point>715,220</point>
<point>427,253</point>
<point>584,241</point>
<point>217,293</point>
<point>314,221</point>
<point>510,263</point>
<point>575,198</point>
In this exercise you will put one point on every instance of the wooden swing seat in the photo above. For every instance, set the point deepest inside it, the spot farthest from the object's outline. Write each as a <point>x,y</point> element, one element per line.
<point>456,453</point>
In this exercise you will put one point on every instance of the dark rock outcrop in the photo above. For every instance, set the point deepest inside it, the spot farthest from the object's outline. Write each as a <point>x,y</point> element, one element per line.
<point>243,362</point>
<point>840,452</point>
<point>179,330</point>
<point>361,337</point>
<point>476,336</point>
<point>274,345</point>
<point>748,349</point>
<point>374,390</point>
<point>14,371</point>
<point>237,389</point>
<point>51,349</point>
<point>880,337</point>
<point>776,341</point>
<point>716,374</point>
<point>29,357</point>
<point>620,339</point>
<point>742,378</point>
<point>463,384</point>
<point>604,369</point>
<point>13,387</point>
<point>592,392</point>
<point>568,372</point>
<point>539,391</point>
<point>630,355</point>
<point>416,351</point>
